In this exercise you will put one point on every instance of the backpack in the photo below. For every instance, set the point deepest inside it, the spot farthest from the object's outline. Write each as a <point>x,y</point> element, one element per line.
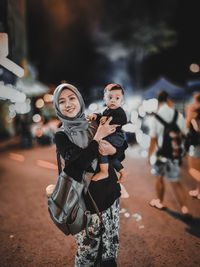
<point>173,139</point>
<point>67,206</point>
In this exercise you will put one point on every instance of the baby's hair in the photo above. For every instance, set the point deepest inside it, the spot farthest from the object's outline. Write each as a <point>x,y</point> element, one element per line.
<point>113,86</point>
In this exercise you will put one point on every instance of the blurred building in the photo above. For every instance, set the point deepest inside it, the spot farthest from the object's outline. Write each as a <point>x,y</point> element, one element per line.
<point>13,21</point>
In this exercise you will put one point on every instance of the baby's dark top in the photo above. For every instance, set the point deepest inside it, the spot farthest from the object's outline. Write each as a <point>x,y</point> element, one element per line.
<point>118,116</point>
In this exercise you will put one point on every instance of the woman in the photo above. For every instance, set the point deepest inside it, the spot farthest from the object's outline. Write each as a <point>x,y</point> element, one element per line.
<point>193,124</point>
<point>73,142</point>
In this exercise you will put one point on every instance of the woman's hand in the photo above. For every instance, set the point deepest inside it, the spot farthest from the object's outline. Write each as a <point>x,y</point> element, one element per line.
<point>104,130</point>
<point>103,119</point>
<point>105,148</point>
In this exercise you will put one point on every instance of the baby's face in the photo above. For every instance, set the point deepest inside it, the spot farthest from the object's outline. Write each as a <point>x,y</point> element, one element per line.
<point>113,99</point>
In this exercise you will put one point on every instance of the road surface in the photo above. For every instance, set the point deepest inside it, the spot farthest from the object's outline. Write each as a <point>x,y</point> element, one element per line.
<point>148,237</point>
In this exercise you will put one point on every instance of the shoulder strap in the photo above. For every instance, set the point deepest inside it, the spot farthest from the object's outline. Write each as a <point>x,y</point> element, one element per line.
<point>161,119</point>
<point>175,116</point>
<point>95,205</point>
<point>59,163</point>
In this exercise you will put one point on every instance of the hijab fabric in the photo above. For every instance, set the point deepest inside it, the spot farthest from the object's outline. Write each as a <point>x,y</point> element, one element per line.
<point>75,128</point>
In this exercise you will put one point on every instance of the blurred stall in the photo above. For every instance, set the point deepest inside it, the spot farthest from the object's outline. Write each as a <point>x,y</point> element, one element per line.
<point>175,91</point>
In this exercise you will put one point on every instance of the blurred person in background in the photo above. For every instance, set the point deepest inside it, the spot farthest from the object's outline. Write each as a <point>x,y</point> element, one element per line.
<point>193,125</point>
<point>166,162</point>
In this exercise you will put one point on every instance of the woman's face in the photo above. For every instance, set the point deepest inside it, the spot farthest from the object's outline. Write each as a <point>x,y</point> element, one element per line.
<point>68,103</point>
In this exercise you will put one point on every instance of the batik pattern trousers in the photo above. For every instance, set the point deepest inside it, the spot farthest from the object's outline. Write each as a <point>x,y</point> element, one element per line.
<point>88,248</point>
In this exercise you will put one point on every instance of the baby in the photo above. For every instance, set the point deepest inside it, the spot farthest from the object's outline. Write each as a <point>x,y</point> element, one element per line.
<point>113,97</point>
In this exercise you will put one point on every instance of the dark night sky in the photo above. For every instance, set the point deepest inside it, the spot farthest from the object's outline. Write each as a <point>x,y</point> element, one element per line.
<point>63,42</point>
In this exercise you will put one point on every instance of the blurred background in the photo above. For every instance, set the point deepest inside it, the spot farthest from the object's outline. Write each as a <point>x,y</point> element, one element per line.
<point>144,46</point>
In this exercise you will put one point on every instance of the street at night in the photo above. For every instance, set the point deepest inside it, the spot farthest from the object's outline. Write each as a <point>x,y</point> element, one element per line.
<point>148,237</point>
<point>134,68</point>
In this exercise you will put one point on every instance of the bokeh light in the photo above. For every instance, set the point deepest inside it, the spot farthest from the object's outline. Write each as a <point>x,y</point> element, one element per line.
<point>134,116</point>
<point>48,98</point>
<point>39,103</point>
<point>150,105</point>
<point>36,118</point>
<point>93,106</point>
<point>194,67</point>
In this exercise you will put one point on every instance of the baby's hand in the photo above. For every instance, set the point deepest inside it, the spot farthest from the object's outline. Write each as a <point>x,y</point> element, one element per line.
<point>103,120</point>
<point>92,117</point>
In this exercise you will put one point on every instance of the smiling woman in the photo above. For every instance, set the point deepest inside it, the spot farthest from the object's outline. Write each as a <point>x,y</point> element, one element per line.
<point>79,147</point>
<point>68,103</point>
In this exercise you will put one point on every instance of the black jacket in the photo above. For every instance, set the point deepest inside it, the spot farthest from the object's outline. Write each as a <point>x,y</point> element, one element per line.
<point>77,160</point>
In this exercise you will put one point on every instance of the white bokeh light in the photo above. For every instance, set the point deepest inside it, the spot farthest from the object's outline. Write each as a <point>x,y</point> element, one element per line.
<point>129,127</point>
<point>141,111</point>
<point>134,116</point>
<point>36,118</point>
<point>139,136</point>
<point>39,103</point>
<point>23,108</point>
<point>93,106</point>
<point>150,105</point>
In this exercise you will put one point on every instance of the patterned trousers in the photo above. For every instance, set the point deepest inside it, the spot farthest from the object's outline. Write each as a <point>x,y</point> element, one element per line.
<point>88,248</point>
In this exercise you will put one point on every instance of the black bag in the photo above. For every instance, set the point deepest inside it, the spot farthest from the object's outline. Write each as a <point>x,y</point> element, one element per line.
<point>67,207</point>
<point>173,139</point>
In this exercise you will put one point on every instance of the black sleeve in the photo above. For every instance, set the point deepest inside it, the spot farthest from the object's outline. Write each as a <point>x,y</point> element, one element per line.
<point>120,152</point>
<point>76,159</point>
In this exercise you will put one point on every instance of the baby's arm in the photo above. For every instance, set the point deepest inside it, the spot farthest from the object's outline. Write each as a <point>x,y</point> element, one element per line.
<point>92,117</point>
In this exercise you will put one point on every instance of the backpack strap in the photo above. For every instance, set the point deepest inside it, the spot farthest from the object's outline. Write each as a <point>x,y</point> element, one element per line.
<point>160,119</point>
<point>59,163</point>
<point>163,121</point>
<point>175,116</point>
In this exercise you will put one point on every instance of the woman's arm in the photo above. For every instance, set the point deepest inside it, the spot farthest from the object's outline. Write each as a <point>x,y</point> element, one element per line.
<point>77,159</point>
<point>105,148</point>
